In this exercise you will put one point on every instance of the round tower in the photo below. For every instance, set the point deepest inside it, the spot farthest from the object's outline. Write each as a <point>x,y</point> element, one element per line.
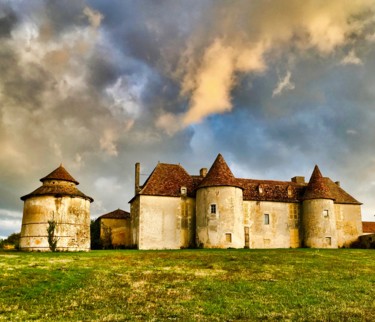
<point>60,207</point>
<point>318,214</point>
<point>219,209</point>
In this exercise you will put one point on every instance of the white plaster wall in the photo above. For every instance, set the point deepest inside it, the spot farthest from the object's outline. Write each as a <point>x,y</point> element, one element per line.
<point>163,223</point>
<point>72,217</point>
<point>317,228</point>
<point>348,223</point>
<point>211,229</point>
<point>283,221</point>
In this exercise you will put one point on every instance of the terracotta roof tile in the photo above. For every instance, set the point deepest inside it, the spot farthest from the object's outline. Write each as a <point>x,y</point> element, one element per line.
<point>267,190</point>
<point>60,174</point>
<point>219,175</point>
<point>339,194</point>
<point>167,180</point>
<point>317,187</point>
<point>368,227</point>
<point>117,214</point>
<point>57,190</point>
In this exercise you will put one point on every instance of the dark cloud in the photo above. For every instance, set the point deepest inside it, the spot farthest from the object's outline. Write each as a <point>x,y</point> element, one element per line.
<point>8,20</point>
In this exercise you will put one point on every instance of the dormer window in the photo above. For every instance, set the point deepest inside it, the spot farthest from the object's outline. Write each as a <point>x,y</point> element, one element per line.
<point>183,191</point>
<point>290,191</point>
<point>260,189</point>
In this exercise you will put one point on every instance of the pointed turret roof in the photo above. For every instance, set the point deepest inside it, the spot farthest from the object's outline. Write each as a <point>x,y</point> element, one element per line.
<point>60,174</point>
<point>317,187</point>
<point>219,175</point>
<point>58,189</point>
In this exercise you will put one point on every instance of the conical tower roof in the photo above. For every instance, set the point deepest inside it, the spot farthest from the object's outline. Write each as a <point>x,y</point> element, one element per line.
<point>219,175</point>
<point>317,187</point>
<point>60,174</point>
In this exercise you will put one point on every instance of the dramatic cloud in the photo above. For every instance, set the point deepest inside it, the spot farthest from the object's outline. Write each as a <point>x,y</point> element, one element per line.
<point>274,86</point>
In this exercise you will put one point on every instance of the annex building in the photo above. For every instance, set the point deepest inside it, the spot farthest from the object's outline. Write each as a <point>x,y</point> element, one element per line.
<point>214,209</point>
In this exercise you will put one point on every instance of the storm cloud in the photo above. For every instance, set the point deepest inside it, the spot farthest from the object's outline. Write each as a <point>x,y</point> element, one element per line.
<point>276,87</point>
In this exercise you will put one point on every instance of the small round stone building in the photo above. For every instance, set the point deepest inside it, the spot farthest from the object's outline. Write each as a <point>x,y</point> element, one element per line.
<point>57,201</point>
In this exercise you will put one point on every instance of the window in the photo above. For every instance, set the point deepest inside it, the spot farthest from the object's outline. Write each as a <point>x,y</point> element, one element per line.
<point>228,237</point>
<point>213,209</point>
<point>266,219</point>
<point>183,191</point>
<point>325,213</point>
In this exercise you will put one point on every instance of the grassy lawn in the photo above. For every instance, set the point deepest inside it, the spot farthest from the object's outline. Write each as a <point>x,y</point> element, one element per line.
<point>189,285</point>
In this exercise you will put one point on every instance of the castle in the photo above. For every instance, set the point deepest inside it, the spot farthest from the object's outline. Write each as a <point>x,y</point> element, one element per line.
<point>174,209</point>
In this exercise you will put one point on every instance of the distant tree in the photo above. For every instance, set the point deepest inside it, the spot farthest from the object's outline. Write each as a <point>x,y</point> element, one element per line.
<point>95,234</point>
<point>13,240</point>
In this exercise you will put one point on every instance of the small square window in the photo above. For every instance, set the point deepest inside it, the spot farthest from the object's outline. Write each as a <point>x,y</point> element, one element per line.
<point>325,213</point>
<point>266,219</point>
<point>228,237</point>
<point>213,209</point>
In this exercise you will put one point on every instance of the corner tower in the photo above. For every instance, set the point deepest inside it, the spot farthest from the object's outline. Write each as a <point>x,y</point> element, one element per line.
<point>318,215</point>
<point>58,200</point>
<point>219,209</point>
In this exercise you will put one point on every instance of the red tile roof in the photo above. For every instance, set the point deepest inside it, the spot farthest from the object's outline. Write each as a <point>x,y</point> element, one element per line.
<point>219,175</point>
<point>267,190</point>
<point>317,187</point>
<point>57,190</point>
<point>117,214</point>
<point>167,180</point>
<point>368,227</point>
<point>60,174</point>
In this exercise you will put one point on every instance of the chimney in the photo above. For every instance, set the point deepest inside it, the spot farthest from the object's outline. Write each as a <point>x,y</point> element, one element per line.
<point>298,179</point>
<point>203,172</point>
<point>338,183</point>
<point>137,175</point>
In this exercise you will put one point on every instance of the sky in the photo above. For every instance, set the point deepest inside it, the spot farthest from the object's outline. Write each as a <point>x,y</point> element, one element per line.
<point>274,86</point>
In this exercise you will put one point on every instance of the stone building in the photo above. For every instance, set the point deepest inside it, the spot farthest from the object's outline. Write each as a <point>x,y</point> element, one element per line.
<point>174,209</point>
<point>57,200</point>
<point>115,229</point>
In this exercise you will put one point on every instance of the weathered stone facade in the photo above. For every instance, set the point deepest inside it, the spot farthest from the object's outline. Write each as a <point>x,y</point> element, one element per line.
<point>115,229</point>
<point>59,201</point>
<point>216,210</point>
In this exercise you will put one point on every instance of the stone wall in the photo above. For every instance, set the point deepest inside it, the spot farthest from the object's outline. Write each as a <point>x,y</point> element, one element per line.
<point>120,231</point>
<point>223,229</point>
<point>72,217</point>
<point>348,223</point>
<point>163,222</point>
<point>272,224</point>
<point>319,224</point>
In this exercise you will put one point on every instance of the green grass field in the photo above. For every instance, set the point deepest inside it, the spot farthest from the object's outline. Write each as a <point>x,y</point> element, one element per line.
<point>189,285</point>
